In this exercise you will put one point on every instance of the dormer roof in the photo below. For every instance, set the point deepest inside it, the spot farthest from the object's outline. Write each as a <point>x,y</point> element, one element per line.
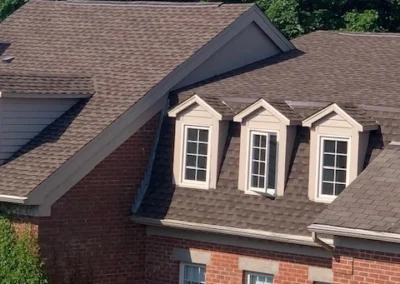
<point>279,109</point>
<point>217,108</point>
<point>352,114</point>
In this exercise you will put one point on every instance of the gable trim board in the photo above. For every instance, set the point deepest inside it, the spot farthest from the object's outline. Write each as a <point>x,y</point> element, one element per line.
<point>354,233</point>
<point>115,134</point>
<point>249,233</point>
<point>262,104</point>
<point>308,122</point>
<point>193,100</point>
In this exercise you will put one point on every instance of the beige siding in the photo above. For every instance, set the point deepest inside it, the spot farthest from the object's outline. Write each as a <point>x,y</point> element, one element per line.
<point>195,111</point>
<point>23,119</point>
<point>249,46</point>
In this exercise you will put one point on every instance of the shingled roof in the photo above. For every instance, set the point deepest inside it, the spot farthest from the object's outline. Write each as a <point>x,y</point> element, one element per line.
<point>45,84</point>
<point>127,48</point>
<point>355,71</point>
<point>372,200</point>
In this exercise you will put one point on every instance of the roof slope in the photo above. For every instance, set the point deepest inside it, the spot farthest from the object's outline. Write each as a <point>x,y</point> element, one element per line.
<point>327,67</point>
<point>372,200</point>
<point>126,48</point>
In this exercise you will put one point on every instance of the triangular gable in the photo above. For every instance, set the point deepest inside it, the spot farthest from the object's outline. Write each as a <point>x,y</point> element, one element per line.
<point>195,99</point>
<point>334,108</point>
<point>261,103</point>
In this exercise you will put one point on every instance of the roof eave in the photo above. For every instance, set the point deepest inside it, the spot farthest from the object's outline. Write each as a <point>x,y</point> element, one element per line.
<point>5,94</point>
<point>13,199</point>
<point>354,233</point>
<point>249,233</point>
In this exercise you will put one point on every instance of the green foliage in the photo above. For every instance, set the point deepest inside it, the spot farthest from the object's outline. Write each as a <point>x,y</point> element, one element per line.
<point>9,6</point>
<point>19,258</point>
<point>359,22</point>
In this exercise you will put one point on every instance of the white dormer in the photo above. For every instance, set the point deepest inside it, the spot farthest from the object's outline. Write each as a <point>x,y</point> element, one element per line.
<point>339,138</point>
<point>266,143</point>
<point>200,135</point>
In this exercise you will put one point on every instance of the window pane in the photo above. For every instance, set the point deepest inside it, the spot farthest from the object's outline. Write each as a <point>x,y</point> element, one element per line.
<point>260,279</point>
<point>262,154</point>
<point>190,174</point>
<point>201,175</point>
<point>255,168</point>
<point>341,162</point>
<point>254,181</point>
<point>329,146</point>
<point>192,134</point>
<point>256,154</point>
<point>327,175</point>
<point>202,162</point>
<point>261,182</point>
<point>192,147</point>
<point>339,188</point>
<point>190,160</point>
<point>342,147</point>
<point>262,168</point>
<point>327,188</point>
<point>263,141</point>
<point>272,161</point>
<point>203,148</point>
<point>203,135</point>
<point>256,140</point>
<point>341,176</point>
<point>329,160</point>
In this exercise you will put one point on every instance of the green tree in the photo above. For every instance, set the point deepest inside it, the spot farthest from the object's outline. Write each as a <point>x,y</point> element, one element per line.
<point>19,256</point>
<point>9,6</point>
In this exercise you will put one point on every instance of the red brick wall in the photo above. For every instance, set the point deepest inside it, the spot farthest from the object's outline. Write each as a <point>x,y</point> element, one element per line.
<point>224,267</point>
<point>89,237</point>
<point>351,266</point>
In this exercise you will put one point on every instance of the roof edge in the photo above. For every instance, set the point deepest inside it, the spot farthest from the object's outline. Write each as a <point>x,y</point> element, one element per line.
<point>354,233</point>
<point>224,230</point>
<point>13,199</point>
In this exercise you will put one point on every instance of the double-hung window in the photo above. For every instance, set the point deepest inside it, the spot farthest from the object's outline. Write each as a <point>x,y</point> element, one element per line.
<point>257,278</point>
<point>333,174</point>
<point>196,154</point>
<point>192,274</point>
<point>263,162</point>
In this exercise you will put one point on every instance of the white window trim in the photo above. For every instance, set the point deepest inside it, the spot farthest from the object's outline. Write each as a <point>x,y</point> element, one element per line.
<point>258,191</point>
<point>321,137</point>
<point>193,183</point>
<point>249,273</point>
<point>182,270</point>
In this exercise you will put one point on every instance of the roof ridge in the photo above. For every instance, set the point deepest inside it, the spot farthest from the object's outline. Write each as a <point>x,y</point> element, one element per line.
<point>134,3</point>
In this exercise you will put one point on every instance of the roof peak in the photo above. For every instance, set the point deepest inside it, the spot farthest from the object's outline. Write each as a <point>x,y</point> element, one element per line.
<point>144,3</point>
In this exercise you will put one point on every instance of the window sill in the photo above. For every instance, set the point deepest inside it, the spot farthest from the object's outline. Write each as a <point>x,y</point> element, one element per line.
<point>268,193</point>
<point>195,185</point>
<point>325,199</point>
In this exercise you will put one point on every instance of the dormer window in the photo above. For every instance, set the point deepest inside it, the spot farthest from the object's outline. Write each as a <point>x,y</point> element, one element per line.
<point>200,135</point>
<point>333,175</point>
<point>263,162</point>
<point>196,154</point>
<point>267,135</point>
<point>339,138</point>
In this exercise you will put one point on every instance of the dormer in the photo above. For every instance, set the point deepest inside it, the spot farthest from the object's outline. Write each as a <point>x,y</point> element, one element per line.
<point>201,129</point>
<point>31,102</point>
<point>268,130</point>
<point>339,138</point>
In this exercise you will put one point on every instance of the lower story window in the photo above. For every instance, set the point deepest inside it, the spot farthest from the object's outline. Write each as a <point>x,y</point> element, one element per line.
<point>192,274</point>
<point>258,278</point>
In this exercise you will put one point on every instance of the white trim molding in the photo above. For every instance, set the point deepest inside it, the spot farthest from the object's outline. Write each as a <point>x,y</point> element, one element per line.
<point>250,233</point>
<point>308,122</point>
<point>195,99</point>
<point>354,233</point>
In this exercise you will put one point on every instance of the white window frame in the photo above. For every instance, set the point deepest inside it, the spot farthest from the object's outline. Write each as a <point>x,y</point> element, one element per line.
<point>321,138</point>
<point>182,270</point>
<point>194,183</point>
<point>249,274</point>
<point>266,190</point>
